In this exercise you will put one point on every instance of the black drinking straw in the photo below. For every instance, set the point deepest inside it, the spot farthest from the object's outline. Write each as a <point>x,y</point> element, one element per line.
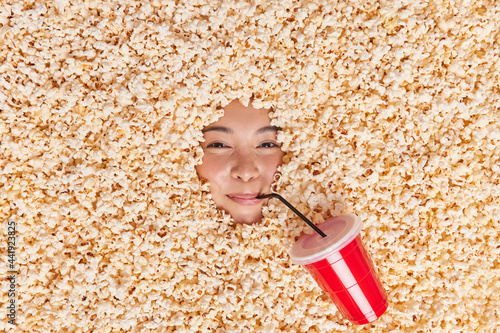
<point>277,196</point>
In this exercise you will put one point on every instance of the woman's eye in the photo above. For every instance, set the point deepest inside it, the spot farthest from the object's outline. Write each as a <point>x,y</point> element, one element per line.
<point>269,145</point>
<point>217,145</point>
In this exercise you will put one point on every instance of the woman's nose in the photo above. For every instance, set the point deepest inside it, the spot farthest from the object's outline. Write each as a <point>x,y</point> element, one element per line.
<point>245,167</point>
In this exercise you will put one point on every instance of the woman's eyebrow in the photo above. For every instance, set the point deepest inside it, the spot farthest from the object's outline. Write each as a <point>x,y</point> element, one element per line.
<point>268,129</point>
<point>219,129</point>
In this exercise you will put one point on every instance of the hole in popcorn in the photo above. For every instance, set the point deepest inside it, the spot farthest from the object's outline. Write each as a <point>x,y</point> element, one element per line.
<point>241,159</point>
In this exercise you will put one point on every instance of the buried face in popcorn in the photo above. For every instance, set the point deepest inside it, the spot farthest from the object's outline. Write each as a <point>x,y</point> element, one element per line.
<point>241,156</point>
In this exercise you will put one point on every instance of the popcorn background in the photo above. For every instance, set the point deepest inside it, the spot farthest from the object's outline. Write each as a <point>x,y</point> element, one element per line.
<point>389,110</point>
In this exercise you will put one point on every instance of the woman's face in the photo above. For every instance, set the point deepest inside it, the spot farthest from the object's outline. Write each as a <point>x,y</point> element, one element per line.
<point>241,155</point>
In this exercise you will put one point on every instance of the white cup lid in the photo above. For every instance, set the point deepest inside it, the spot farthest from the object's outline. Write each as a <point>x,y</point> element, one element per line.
<point>340,231</point>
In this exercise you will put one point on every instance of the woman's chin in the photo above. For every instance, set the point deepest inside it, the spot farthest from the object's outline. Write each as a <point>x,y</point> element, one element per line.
<point>248,222</point>
<point>247,218</point>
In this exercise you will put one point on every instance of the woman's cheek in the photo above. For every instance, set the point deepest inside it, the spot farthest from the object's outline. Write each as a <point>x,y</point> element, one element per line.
<point>206,168</point>
<point>272,164</point>
<point>216,167</point>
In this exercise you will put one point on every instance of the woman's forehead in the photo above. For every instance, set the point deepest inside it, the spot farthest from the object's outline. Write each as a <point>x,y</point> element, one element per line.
<point>237,107</point>
<point>237,116</point>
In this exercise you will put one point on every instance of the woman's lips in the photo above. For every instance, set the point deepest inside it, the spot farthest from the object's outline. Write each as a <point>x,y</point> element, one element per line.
<point>246,199</point>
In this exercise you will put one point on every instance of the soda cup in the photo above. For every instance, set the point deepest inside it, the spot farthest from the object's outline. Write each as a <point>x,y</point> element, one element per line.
<point>342,268</point>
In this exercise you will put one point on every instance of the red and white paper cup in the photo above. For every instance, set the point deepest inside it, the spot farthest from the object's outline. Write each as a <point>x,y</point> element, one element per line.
<point>342,268</point>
